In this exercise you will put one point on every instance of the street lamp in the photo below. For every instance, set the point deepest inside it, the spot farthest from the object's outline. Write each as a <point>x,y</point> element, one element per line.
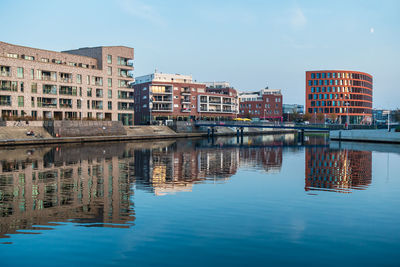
<point>347,107</point>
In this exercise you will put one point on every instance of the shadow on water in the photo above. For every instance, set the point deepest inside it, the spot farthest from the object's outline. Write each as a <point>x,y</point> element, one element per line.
<point>93,185</point>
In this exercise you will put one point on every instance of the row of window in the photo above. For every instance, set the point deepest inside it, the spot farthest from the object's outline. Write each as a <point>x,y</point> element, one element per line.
<point>339,96</point>
<point>44,75</point>
<point>341,89</point>
<point>248,106</point>
<point>340,75</point>
<point>339,82</point>
<point>47,60</point>
<point>120,61</point>
<point>339,110</point>
<point>258,112</point>
<point>253,99</point>
<point>340,103</point>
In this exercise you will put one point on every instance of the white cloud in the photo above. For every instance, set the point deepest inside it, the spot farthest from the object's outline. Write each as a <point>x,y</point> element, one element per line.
<point>298,19</point>
<point>372,30</point>
<point>138,9</point>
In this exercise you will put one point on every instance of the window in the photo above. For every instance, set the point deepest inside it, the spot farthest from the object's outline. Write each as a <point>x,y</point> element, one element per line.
<point>32,101</point>
<point>78,103</point>
<point>323,75</point>
<point>79,78</point>
<point>312,75</point>
<point>309,82</point>
<point>21,85</point>
<point>109,59</point>
<point>44,60</point>
<point>32,74</point>
<point>99,92</point>
<point>88,106</point>
<point>109,93</point>
<point>34,88</point>
<point>20,72</point>
<point>12,55</point>
<point>109,70</point>
<point>89,92</point>
<point>109,105</point>
<point>20,101</point>
<point>109,81</point>
<point>88,80</point>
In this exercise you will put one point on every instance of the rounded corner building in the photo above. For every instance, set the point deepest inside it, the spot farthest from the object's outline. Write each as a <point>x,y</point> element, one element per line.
<point>338,94</point>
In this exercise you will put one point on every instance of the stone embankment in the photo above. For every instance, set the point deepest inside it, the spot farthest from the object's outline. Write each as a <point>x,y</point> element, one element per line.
<point>378,136</point>
<point>54,132</point>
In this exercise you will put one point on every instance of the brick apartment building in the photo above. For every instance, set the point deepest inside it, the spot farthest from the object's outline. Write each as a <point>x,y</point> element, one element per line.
<point>265,104</point>
<point>76,84</point>
<point>161,96</point>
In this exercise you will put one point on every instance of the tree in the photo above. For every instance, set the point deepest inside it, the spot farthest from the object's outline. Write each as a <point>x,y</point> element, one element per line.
<point>396,115</point>
<point>307,117</point>
<point>320,117</point>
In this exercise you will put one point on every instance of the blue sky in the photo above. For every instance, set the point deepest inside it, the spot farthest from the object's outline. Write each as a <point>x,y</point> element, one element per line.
<point>251,44</point>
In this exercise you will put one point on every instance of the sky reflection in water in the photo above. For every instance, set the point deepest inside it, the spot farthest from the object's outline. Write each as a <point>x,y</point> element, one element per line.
<point>268,200</point>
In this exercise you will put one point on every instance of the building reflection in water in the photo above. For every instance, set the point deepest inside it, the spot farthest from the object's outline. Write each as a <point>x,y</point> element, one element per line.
<point>92,185</point>
<point>337,170</point>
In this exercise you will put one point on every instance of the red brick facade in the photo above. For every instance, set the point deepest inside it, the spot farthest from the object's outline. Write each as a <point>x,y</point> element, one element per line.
<point>265,106</point>
<point>181,100</point>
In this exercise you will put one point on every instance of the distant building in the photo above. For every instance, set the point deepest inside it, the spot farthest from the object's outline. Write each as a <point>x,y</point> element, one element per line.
<point>161,96</point>
<point>380,116</point>
<point>292,108</point>
<point>338,93</point>
<point>265,104</point>
<point>85,83</point>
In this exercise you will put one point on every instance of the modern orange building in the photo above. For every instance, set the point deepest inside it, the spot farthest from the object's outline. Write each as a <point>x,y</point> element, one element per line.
<point>338,94</point>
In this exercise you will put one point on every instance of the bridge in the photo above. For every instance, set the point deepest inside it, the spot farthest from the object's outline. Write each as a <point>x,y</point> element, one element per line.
<point>241,124</point>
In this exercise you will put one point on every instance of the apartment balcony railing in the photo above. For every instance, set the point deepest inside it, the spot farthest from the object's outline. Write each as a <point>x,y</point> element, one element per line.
<point>65,105</point>
<point>5,73</point>
<point>163,100</point>
<point>186,110</point>
<point>66,80</point>
<point>155,109</point>
<point>185,100</point>
<point>5,103</point>
<point>48,105</point>
<point>215,102</point>
<point>126,108</point>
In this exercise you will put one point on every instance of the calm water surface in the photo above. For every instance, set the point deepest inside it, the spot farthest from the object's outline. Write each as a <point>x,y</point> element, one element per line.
<point>196,202</point>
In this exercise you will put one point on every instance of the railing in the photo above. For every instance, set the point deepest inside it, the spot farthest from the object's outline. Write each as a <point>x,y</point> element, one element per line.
<point>186,110</point>
<point>161,109</point>
<point>66,80</point>
<point>5,73</point>
<point>65,105</point>
<point>162,100</point>
<point>48,78</point>
<point>5,103</point>
<point>185,100</point>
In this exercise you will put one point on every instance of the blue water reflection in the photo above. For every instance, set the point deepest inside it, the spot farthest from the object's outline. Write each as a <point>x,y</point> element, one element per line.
<point>265,200</point>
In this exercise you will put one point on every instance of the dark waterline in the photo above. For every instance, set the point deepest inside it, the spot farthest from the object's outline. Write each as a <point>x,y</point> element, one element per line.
<point>269,200</point>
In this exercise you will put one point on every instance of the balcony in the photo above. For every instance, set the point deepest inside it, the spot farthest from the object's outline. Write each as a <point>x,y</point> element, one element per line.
<point>185,91</point>
<point>162,99</point>
<point>161,110</point>
<point>186,110</point>
<point>185,100</point>
<point>65,77</point>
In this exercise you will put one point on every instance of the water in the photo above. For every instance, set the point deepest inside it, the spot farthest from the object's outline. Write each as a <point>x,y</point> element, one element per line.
<point>267,201</point>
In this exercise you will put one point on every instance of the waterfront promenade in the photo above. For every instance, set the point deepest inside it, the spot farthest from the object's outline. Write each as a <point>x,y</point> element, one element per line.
<point>378,136</point>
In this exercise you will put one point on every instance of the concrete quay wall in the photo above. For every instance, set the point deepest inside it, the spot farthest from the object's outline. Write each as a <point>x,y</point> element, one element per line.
<point>379,136</point>
<point>132,133</point>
